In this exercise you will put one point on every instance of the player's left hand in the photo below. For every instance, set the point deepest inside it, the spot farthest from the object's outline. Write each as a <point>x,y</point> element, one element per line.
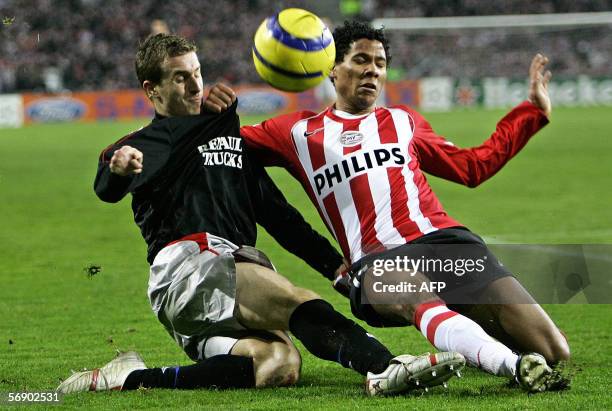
<point>538,84</point>
<point>219,99</point>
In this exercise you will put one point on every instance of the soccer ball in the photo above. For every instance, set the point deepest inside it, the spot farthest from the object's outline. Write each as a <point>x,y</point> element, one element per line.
<point>293,50</point>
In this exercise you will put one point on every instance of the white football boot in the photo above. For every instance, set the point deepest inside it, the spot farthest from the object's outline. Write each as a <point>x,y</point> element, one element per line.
<point>109,377</point>
<point>407,372</point>
<point>532,372</point>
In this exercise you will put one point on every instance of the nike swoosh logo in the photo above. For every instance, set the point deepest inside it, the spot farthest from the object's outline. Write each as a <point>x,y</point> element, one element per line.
<point>310,133</point>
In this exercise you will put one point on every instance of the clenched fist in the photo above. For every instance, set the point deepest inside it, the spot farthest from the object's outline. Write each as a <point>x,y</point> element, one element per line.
<point>220,98</point>
<point>125,161</point>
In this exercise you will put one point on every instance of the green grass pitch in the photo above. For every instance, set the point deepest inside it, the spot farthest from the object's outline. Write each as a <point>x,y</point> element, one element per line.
<point>54,318</point>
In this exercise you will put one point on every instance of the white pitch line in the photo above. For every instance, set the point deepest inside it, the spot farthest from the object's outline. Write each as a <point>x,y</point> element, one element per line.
<point>513,238</point>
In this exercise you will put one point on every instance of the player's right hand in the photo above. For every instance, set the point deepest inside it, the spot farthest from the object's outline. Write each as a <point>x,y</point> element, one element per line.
<point>126,160</point>
<point>341,280</point>
<point>220,98</point>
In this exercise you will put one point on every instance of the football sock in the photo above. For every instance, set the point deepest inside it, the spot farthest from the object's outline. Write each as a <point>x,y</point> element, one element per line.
<point>450,331</point>
<point>220,371</point>
<point>331,336</point>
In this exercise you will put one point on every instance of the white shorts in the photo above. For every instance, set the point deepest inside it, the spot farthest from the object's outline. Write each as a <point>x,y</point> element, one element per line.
<point>192,290</point>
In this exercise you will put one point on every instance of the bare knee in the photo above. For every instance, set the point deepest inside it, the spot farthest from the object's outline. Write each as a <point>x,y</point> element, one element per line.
<point>277,365</point>
<point>534,330</point>
<point>559,349</point>
<point>555,350</point>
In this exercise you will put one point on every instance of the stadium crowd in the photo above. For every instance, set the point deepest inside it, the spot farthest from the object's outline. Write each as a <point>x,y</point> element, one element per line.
<point>75,45</point>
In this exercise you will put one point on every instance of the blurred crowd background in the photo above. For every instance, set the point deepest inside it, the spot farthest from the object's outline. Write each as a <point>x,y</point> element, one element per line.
<point>90,44</point>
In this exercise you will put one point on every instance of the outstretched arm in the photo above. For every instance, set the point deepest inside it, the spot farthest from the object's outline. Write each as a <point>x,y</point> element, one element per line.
<point>274,213</point>
<point>538,84</point>
<point>289,228</point>
<point>473,166</point>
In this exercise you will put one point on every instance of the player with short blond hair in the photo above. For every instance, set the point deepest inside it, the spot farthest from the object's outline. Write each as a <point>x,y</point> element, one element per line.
<point>197,195</point>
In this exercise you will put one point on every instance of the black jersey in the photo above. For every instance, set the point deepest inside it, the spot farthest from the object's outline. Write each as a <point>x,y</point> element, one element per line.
<point>198,177</point>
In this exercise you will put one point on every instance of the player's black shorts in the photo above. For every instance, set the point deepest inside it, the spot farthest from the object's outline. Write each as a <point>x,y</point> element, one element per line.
<point>455,260</point>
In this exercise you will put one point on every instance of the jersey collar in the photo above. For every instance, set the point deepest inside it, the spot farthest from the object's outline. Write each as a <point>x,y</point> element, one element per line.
<point>340,115</point>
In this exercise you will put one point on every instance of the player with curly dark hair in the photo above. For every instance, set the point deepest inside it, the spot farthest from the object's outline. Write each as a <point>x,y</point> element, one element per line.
<point>345,36</point>
<point>364,165</point>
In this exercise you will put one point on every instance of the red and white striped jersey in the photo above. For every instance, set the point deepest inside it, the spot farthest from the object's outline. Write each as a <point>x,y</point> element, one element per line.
<point>365,173</point>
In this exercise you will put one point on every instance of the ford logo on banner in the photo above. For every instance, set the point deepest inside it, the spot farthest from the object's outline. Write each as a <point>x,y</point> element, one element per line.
<point>54,109</point>
<point>260,101</point>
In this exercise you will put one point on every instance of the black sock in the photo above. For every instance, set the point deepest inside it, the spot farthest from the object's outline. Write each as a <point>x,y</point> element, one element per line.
<point>331,336</point>
<point>220,371</point>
